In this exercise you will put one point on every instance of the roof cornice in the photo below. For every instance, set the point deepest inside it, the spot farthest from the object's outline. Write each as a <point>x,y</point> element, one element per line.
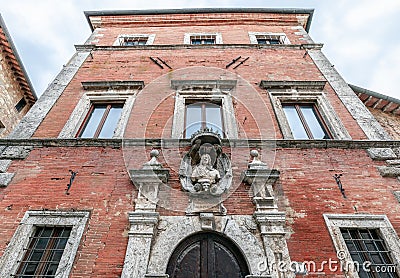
<point>376,100</point>
<point>310,12</point>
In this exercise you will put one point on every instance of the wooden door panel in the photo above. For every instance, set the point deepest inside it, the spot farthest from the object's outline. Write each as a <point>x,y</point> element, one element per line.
<point>226,264</point>
<point>207,255</point>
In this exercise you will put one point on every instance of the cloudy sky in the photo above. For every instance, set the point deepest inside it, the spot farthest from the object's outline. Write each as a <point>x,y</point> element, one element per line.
<point>361,37</point>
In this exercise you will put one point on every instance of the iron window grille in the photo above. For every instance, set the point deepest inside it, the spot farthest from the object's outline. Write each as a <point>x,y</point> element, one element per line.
<point>44,252</point>
<point>132,41</point>
<point>270,39</point>
<point>366,245</point>
<point>203,39</point>
<point>101,121</point>
<point>305,121</point>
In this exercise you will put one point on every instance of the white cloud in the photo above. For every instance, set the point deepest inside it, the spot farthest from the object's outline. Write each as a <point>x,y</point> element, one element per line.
<point>385,77</point>
<point>357,35</point>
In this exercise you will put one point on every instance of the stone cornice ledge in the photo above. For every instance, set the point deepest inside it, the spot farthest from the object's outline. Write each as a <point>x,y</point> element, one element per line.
<point>171,143</point>
<point>311,85</point>
<point>89,47</point>
<point>210,84</point>
<point>123,84</point>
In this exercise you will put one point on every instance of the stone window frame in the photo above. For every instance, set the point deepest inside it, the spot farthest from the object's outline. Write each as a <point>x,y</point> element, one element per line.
<point>282,37</point>
<point>187,36</point>
<point>310,93</point>
<point>361,221</point>
<point>102,93</point>
<point>214,90</point>
<point>121,38</point>
<point>9,262</point>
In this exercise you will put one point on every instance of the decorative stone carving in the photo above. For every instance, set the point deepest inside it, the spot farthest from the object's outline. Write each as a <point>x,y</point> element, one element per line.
<point>270,221</point>
<point>205,169</point>
<point>141,234</point>
<point>261,179</point>
<point>207,221</point>
<point>148,180</point>
<point>144,220</point>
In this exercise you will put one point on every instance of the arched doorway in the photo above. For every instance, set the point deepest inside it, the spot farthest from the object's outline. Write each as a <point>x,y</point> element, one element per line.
<point>207,255</point>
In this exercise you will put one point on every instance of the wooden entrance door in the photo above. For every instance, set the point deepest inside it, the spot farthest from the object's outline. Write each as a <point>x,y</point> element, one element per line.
<point>207,255</point>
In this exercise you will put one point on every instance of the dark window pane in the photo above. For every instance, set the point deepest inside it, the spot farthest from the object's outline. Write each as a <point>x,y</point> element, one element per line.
<point>196,41</point>
<point>20,105</point>
<point>44,253</point>
<point>313,122</point>
<point>93,122</point>
<point>31,268</point>
<point>36,255</point>
<point>366,245</point>
<point>272,41</point>
<point>295,123</point>
<point>135,41</point>
<point>111,122</point>
<point>52,269</point>
<point>209,41</point>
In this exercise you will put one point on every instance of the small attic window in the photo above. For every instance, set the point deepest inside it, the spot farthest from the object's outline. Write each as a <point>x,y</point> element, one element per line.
<point>20,105</point>
<point>268,38</point>
<point>134,39</point>
<point>130,41</point>
<point>202,38</point>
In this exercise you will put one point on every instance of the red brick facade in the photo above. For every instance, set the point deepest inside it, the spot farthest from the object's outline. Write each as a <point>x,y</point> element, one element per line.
<point>304,192</point>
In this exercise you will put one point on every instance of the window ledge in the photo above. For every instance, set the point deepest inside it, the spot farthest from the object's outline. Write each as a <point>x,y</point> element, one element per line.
<point>116,85</point>
<point>204,84</point>
<point>89,47</point>
<point>296,85</point>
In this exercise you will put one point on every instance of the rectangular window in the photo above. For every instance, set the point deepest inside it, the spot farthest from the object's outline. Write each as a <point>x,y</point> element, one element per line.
<point>20,105</point>
<point>366,245</point>
<point>131,41</point>
<point>305,121</point>
<point>134,39</point>
<point>203,39</point>
<point>269,39</point>
<point>44,252</point>
<point>45,244</point>
<point>101,121</point>
<point>201,115</point>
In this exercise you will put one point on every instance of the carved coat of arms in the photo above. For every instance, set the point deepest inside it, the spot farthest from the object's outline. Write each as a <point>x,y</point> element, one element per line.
<point>205,169</point>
